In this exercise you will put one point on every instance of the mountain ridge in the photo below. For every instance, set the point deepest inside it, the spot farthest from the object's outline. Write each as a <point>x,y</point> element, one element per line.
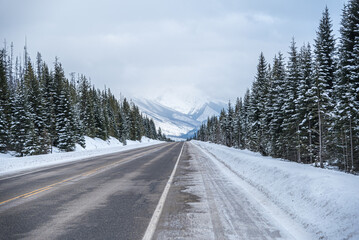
<point>174,123</point>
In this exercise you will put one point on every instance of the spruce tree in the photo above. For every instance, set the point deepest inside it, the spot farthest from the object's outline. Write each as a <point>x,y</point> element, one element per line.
<point>306,103</point>
<point>257,107</point>
<point>4,105</point>
<point>63,112</point>
<point>290,119</point>
<point>20,121</point>
<point>37,126</point>
<point>325,68</point>
<point>347,90</point>
<point>278,92</point>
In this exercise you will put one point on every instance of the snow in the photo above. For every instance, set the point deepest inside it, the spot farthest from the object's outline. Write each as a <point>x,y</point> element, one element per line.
<point>94,147</point>
<point>324,202</point>
<point>182,102</point>
<point>207,112</point>
<point>175,123</point>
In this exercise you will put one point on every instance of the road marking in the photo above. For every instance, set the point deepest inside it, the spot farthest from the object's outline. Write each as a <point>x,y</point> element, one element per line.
<point>36,191</point>
<point>157,213</point>
<point>43,190</point>
<point>39,190</point>
<point>85,159</point>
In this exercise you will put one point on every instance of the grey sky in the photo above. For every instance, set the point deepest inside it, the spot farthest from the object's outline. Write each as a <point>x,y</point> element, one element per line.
<point>145,48</point>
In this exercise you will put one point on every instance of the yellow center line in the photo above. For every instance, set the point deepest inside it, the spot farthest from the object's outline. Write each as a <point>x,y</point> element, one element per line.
<point>39,190</point>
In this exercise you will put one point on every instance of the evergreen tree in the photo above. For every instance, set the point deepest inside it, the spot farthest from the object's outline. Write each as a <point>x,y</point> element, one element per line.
<point>20,122</point>
<point>307,108</point>
<point>257,107</point>
<point>246,123</point>
<point>48,92</point>
<point>38,137</point>
<point>4,105</point>
<point>347,90</point>
<point>325,68</point>
<point>63,112</point>
<point>290,119</point>
<point>238,124</point>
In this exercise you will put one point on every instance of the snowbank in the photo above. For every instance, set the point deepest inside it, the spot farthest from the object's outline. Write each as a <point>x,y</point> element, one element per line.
<point>325,202</point>
<point>94,147</point>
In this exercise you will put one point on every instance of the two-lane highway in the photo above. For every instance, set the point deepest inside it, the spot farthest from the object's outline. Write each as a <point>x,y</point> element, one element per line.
<point>107,197</point>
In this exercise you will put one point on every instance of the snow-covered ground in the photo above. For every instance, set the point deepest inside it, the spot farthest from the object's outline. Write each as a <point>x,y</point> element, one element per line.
<point>323,202</point>
<point>94,147</point>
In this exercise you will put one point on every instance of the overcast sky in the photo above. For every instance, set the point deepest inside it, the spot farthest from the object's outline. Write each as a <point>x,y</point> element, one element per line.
<point>147,48</point>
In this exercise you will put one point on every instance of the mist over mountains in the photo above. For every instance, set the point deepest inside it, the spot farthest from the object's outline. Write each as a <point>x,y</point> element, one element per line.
<point>182,122</point>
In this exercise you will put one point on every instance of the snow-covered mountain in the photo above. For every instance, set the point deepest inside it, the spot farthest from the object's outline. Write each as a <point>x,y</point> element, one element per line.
<point>179,123</point>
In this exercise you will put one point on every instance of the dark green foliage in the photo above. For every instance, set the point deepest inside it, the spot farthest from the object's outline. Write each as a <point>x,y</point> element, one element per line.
<point>4,105</point>
<point>306,111</point>
<point>43,109</point>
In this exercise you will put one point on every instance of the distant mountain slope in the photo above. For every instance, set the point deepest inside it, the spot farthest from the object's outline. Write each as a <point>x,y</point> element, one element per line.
<point>176,124</point>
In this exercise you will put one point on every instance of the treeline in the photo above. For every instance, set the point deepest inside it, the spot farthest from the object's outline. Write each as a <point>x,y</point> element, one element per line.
<point>304,110</point>
<point>41,108</point>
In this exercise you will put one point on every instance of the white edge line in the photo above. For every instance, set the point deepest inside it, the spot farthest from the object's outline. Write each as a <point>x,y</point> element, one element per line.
<point>157,213</point>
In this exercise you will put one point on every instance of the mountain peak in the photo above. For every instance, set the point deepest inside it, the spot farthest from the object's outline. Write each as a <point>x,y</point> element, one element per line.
<point>179,119</point>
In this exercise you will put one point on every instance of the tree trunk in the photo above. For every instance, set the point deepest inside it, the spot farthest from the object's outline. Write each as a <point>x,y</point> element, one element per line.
<point>299,145</point>
<point>310,144</point>
<point>351,144</point>
<point>344,152</point>
<point>320,137</point>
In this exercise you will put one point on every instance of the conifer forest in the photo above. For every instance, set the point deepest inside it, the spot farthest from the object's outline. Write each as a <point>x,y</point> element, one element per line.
<point>40,108</point>
<point>304,108</point>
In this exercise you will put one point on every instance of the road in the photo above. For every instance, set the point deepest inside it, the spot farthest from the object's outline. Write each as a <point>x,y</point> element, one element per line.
<point>208,201</point>
<point>108,197</point>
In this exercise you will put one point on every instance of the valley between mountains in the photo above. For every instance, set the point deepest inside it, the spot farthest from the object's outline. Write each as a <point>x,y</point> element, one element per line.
<point>182,123</point>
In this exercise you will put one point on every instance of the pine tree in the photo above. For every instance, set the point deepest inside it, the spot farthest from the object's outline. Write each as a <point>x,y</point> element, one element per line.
<point>257,107</point>
<point>37,143</point>
<point>324,60</point>
<point>20,121</point>
<point>4,105</point>
<point>63,112</point>
<point>306,103</point>
<point>347,90</point>
<point>48,92</point>
<point>290,119</point>
<point>246,114</point>
<point>238,124</point>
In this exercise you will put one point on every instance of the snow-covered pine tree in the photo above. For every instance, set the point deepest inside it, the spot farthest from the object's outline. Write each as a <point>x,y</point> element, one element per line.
<point>290,119</point>
<point>229,125</point>
<point>126,123</point>
<point>36,144</point>
<point>48,91</point>
<point>4,105</point>
<point>122,128</point>
<point>153,130</point>
<point>257,107</point>
<point>324,59</point>
<point>222,123</point>
<point>347,87</point>
<point>63,112</point>
<point>277,95</point>
<point>20,121</point>
<point>246,114</point>
<point>238,124</point>
<point>266,117</point>
<point>307,108</point>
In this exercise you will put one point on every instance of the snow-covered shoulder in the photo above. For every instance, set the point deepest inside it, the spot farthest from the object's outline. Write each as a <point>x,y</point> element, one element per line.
<point>325,202</point>
<point>94,147</point>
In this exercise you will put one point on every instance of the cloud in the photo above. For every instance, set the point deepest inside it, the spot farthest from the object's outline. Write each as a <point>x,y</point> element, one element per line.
<point>148,48</point>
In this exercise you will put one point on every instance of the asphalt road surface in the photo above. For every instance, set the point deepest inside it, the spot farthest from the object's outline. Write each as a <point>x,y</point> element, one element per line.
<point>108,197</point>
